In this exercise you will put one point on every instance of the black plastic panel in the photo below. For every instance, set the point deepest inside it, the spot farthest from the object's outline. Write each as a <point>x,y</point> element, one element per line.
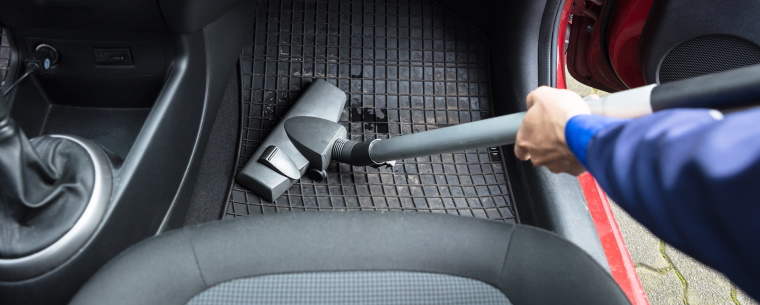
<point>5,56</point>
<point>147,55</point>
<point>78,80</point>
<point>82,14</point>
<point>113,129</point>
<point>407,67</point>
<point>186,16</point>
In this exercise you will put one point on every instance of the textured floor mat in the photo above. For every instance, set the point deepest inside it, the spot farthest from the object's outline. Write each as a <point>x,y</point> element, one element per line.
<point>407,66</point>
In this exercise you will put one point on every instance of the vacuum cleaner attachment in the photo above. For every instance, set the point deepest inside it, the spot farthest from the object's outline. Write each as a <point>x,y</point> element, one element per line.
<point>308,138</point>
<point>270,175</point>
<point>305,131</point>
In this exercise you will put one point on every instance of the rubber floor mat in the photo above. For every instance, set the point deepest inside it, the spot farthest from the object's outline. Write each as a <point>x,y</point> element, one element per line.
<point>407,66</point>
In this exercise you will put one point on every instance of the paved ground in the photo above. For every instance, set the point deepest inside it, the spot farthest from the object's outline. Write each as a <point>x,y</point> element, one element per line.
<point>669,276</point>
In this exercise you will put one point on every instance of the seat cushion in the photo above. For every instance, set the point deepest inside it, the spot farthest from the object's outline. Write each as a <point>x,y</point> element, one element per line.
<point>352,287</point>
<point>528,265</point>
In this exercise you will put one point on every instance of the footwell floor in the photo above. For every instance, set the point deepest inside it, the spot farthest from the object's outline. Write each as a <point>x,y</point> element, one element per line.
<point>407,66</point>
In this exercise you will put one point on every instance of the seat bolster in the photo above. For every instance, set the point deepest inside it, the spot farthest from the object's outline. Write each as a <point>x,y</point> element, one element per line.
<point>161,270</point>
<point>528,265</point>
<point>353,241</point>
<point>567,275</point>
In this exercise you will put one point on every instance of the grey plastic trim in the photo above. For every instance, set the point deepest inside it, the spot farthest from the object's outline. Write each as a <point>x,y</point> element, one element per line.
<point>23,268</point>
<point>274,158</point>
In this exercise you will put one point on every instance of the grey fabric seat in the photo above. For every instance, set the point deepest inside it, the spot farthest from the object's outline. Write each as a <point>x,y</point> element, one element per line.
<point>353,258</point>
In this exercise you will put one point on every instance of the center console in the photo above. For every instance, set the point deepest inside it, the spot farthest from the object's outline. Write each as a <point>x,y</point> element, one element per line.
<point>135,85</point>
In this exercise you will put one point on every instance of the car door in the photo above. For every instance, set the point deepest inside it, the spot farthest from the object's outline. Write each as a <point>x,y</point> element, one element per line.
<point>618,44</point>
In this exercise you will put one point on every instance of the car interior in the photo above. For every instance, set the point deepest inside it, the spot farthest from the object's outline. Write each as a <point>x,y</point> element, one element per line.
<point>133,135</point>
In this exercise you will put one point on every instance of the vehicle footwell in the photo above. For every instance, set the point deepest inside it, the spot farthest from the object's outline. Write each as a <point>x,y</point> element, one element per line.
<point>407,66</point>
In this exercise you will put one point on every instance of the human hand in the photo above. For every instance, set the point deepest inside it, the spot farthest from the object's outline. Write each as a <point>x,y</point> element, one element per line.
<point>541,137</point>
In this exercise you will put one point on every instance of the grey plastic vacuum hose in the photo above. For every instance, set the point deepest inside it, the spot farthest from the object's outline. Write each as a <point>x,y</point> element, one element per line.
<point>496,131</point>
<point>736,88</point>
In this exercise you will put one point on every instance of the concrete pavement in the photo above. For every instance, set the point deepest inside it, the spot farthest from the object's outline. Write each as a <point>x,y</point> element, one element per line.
<point>667,275</point>
<point>671,277</point>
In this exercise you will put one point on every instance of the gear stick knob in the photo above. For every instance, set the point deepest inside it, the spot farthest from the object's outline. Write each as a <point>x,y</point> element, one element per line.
<point>50,189</point>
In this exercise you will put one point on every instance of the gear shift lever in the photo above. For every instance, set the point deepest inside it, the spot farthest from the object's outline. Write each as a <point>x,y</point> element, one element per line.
<point>47,188</point>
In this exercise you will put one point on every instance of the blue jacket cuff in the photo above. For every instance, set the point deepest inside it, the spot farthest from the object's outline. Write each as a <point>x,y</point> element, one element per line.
<point>580,129</point>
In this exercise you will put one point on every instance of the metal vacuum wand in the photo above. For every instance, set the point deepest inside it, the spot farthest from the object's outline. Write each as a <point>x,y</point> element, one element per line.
<point>736,88</point>
<point>496,131</point>
<point>308,138</point>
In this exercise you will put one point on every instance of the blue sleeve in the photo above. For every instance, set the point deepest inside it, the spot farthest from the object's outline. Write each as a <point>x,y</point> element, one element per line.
<point>690,176</point>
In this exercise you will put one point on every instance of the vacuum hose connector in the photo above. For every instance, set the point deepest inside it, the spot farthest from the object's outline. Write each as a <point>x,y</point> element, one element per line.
<point>341,150</point>
<point>354,153</point>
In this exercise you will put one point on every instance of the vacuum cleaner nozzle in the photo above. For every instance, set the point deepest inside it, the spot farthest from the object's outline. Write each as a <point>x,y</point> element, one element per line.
<point>271,176</point>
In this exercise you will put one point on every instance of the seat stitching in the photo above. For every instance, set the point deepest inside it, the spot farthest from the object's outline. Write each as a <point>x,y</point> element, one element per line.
<point>506,254</point>
<point>197,262</point>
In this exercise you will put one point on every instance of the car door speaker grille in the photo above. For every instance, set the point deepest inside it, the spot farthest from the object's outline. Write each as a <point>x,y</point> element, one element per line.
<point>705,55</point>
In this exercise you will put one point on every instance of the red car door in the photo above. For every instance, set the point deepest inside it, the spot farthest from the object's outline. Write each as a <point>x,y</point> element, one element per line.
<point>618,44</point>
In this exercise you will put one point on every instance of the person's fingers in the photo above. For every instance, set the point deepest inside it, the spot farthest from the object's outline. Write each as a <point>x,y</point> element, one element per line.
<point>521,148</point>
<point>593,96</point>
<point>530,100</point>
<point>521,152</point>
